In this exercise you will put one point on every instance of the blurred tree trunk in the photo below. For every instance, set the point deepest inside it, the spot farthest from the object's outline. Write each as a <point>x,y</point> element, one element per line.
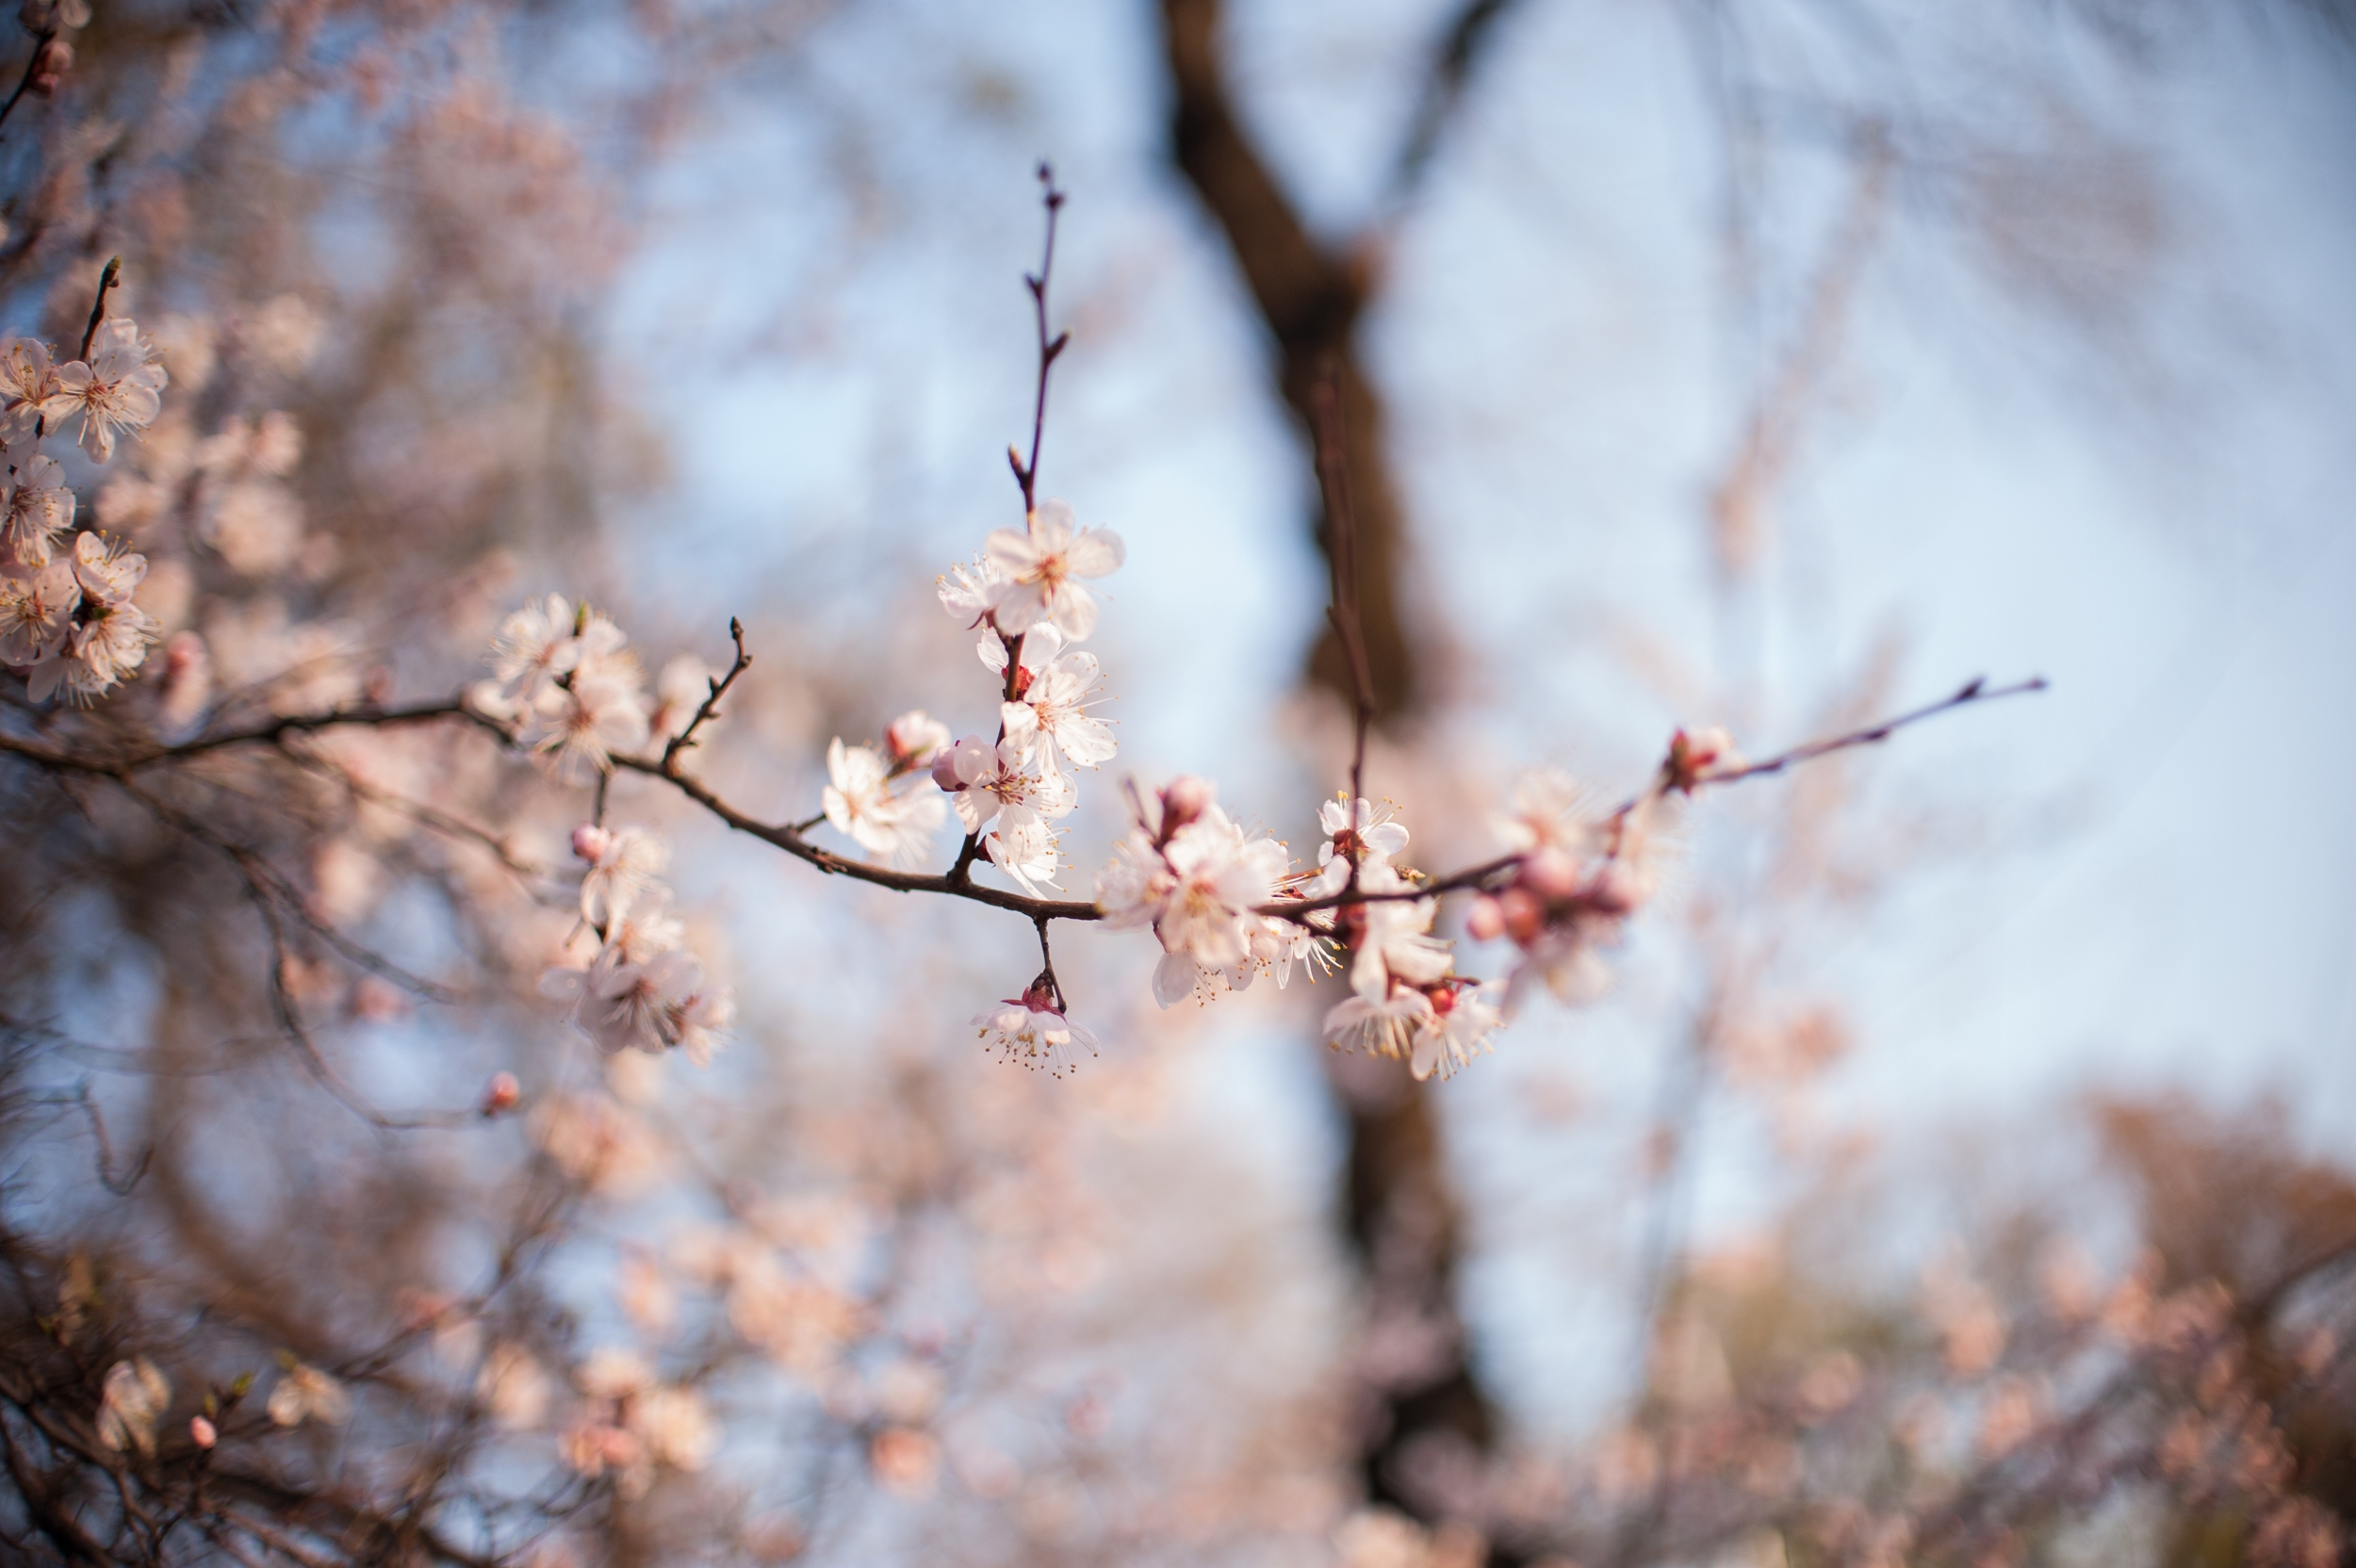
<point>1420,1404</point>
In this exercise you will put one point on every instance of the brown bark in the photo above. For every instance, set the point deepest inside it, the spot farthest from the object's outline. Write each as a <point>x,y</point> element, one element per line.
<point>1421,1407</point>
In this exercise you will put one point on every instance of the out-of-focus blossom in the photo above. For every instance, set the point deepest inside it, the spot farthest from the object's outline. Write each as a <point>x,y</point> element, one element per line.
<point>860,805</point>
<point>1039,571</point>
<point>29,380</point>
<point>130,1404</point>
<point>306,1394</point>
<point>914,739</point>
<point>514,1387</point>
<point>623,863</point>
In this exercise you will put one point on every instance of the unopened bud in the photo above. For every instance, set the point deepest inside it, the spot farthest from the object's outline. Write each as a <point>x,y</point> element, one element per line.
<point>50,66</point>
<point>502,1094</point>
<point>945,767</point>
<point>1549,874</point>
<point>1485,921</point>
<point>202,1432</point>
<point>1185,798</point>
<point>591,843</point>
<point>1524,914</point>
<point>1700,755</point>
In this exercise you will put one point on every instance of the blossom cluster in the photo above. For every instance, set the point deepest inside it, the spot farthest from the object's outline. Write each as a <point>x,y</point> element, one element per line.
<point>641,989</point>
<point>561,674</point>
<point>1577,878</point>
<point>66,618</point>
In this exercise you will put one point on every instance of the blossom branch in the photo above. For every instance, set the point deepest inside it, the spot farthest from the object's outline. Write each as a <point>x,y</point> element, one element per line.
<point>32,69</point>
<point>1669,778</point>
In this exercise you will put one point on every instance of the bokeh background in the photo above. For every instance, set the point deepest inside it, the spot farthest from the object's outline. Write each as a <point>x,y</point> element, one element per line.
<point>1959,1168</point>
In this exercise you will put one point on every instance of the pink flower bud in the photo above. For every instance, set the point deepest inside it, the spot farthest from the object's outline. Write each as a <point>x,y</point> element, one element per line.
<point>1699,756</point>
<point>945,770</point>
<point>501,1095</point>
<point>1185,798</point>
<point>591,843</point>
<point>1486,920</point>
<point>1524,915</point>
<point>1549,874</point>
<point>202,1432</point>
<point>50,66</point>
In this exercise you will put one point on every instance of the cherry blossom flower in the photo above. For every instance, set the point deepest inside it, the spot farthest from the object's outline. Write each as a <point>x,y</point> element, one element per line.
<point>1033,1031</point>
<point>1384,1027</point>
<point>1051,708</point>
<point>119,389</point>
<point>1037,568</point>
<point>966,592</point>
<point>1195,877</point>
<point>914,739</point>
<point>1026,848</point>
<point>987,783</point>
<point>1389,940</point>
<point>533,647</point>
<point>36,611</point>
<point>306,1392</point>
<point>27,380</point>
<point>630,1004</point>
<point>132,1401</point>
<point>598,709</point>
<point>623,863</point>
<point>39,508</point>
<point>1363,833</point>
<point>1462,1017</point>
<point>859,804</point>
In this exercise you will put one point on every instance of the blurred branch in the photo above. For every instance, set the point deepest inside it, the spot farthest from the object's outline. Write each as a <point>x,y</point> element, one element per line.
<point>1462,45</point>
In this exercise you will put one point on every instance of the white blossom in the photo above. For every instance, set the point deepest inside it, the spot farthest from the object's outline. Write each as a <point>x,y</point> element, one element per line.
<point>1195,877</point>
<point>1026,848</point>
<point>38,508</point>
<point>1461,1021</point>
<point>29,380</point>
<point>1390,940</point>
<point>119,389</point>
<point>860,803</point>
<point>1037,571</point>
<point>36,610</point>
<point>966,593</point>
<point>306,1392</point>
<point>914,739</point>
<point>132,1401</point>
<point>1031,1030</point>
<point>623,863</point>
<point>1359,831</point>
<point>1051,708</point>
<point>987,783</point>
<point>1384,1027</point>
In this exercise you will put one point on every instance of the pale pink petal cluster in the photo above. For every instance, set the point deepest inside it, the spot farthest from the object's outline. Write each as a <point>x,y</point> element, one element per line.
<point>1578,878</point>
<point>1031,1030</point>
<point>1015,796</point>
<point>1197,878</point>
<point>71,624</point>
<point>561,674</point>
<point>1406,1001</point>
<point>641,989</point>
<point>1031,577</point>
<point>868,797</point>
<point>120,387</point>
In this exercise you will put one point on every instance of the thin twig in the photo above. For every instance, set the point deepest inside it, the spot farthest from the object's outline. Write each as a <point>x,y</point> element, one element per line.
<point>1026,474</point>
<point>41,41</point>
<point>98,307</point>
<point>1341,554</point>
<point>710,707</point>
